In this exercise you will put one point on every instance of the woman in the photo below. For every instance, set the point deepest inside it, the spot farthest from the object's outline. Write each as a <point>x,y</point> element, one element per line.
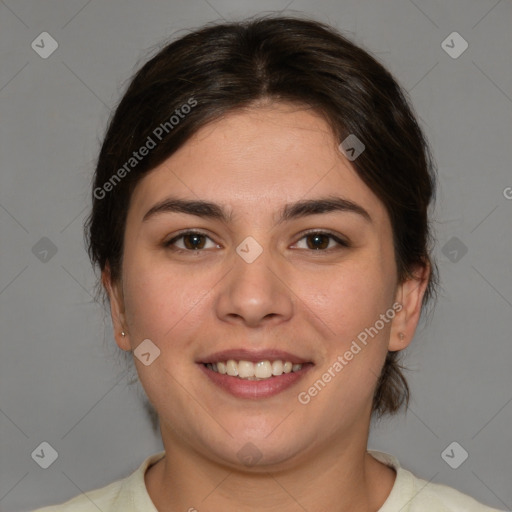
<point>260,220</point>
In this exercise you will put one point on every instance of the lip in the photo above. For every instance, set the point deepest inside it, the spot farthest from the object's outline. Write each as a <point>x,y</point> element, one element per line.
<point>253,356</point>
<point>255,389</point>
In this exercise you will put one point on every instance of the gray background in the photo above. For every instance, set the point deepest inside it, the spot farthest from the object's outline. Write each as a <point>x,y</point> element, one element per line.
<point>60,378</point>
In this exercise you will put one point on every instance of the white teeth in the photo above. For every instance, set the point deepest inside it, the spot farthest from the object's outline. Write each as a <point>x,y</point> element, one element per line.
<point>231,368</point>
<point>254,371</point>
<point>263,370</point>
<point>245,369</point>
<point>277,368</point>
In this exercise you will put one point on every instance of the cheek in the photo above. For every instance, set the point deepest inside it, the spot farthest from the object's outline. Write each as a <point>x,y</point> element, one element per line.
<point>352,296</point>
<point>351,303</point>
<point>160,300</point>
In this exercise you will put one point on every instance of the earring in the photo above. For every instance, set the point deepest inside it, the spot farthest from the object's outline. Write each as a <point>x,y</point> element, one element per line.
<point>401,336</point>
<point>123,334</point>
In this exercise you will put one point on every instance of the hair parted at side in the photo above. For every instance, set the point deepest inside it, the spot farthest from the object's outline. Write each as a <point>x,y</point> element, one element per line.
<point>223,67</point>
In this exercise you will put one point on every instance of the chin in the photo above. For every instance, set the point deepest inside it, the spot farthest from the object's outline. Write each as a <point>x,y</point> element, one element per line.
<point>258,453</point>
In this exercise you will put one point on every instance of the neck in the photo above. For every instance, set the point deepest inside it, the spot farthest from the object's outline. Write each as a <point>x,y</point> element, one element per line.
<point>341,477</point>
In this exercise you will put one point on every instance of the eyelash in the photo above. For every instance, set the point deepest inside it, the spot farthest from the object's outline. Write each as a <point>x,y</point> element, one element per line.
<point>169,244</point>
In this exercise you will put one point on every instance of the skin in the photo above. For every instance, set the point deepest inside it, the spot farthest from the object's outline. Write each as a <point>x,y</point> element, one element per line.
<point>311,303</point>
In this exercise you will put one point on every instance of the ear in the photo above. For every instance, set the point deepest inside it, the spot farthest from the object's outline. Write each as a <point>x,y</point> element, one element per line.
<point>116,300</point>
<point>410,295</point>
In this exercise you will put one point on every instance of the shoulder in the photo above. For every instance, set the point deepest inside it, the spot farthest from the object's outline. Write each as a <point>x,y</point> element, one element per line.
<point>412,494</point>
<point>442,498</point>
<point>126,495</point>
<point>89,501</point>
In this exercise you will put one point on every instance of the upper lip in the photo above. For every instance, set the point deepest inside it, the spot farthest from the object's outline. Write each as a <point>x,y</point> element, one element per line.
<point>239,354</point>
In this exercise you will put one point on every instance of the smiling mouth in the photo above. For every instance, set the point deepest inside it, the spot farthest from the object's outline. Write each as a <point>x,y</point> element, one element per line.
<point>261,370</point>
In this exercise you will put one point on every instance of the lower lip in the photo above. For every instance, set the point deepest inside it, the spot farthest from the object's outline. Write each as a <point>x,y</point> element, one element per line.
<point>243,388</point>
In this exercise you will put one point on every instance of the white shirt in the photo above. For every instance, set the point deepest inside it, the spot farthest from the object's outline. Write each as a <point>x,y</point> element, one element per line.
<point>409,494</point>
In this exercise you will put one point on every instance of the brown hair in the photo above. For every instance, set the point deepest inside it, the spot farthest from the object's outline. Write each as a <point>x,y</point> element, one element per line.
<point>224,67</point>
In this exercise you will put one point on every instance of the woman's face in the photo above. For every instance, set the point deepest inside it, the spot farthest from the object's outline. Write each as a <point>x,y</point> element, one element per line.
<point>260,287</point>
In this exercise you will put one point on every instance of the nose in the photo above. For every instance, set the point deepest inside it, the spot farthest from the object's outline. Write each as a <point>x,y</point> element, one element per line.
<point>255,293</point>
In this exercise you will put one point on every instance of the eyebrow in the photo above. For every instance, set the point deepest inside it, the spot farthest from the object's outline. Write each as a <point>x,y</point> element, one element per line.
<point>299,209</point>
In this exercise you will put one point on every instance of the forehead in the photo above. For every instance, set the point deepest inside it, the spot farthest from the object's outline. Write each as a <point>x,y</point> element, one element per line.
<point>254,160</point>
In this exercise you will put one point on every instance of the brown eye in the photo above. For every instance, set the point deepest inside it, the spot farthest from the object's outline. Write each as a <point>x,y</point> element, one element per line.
<point>320,240</point>
<point>192,241</point>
